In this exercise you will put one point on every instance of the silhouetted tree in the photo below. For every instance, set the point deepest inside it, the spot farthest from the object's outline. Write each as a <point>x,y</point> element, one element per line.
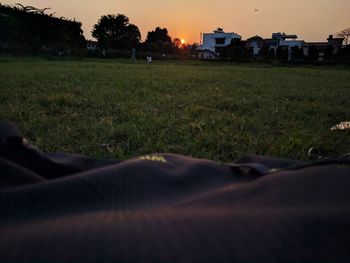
<point>29,29</point>
<point>235,50</point>
<point>264,51</point>
<point>271,53</point>
<point>158,35</point>
<point>236,53</point>
<point>345,34</point>
<point>297,53</point>
<point>282,53</point>
<point>313,53</point>
<point>177,42</point>
<point>115,31</point>
<point>343,54</point>
<point>159,41</point>
<point>329,52</point>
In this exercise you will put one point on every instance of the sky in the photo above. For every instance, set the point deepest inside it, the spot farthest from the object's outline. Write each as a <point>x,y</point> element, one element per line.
<point>311,20</point>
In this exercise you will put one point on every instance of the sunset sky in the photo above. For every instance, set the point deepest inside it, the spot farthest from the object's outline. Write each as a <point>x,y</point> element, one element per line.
<point>311,20</point>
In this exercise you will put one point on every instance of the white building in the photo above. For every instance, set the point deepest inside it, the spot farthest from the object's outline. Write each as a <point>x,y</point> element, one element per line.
<point>289,41</point>
<point>284,41</point>
<point>254,44</point>
<point>217,40</point>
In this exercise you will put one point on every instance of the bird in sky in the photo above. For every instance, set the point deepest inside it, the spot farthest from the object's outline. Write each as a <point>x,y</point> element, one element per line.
<point>256,10</point>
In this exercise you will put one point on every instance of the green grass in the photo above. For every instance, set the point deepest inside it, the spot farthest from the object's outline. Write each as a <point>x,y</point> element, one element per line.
<point>219,111</point>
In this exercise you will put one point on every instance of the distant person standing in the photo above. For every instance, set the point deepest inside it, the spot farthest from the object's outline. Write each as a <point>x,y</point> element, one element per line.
<point>133,54</point>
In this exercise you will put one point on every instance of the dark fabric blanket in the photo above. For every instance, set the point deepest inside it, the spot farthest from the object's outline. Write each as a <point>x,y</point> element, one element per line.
<point>169,208</point>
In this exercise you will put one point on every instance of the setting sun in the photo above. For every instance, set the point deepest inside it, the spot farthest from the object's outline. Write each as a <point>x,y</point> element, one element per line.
<point>183,41</point>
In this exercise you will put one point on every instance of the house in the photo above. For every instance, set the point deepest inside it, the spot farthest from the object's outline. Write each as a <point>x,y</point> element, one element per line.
<point>254,44</point>
<point>217,41</point>
<point>288,41</point>
<point>271,45</point>
<point>333,44</point>
<point>284,41</point>
<point>321,48</point>
<point>336,43</point>
<point>91,45</point>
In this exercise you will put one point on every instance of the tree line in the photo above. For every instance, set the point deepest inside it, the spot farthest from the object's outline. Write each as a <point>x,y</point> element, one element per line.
<point>26,29</point>
<point>117,33</point>
<point>32,30</point>
<point>29,29</point>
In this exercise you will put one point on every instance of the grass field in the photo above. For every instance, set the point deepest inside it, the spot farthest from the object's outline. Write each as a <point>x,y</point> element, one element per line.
<point>219,111</point>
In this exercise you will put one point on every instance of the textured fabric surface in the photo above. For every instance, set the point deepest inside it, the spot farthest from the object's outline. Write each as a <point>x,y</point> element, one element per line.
<point>169,208</point>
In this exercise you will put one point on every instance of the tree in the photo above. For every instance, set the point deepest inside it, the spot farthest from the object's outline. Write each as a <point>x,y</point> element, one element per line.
<point>297,53</point>
<point>329,52</point>
<point>313,53</point>
<point>115,31</point>
<point>177,42</point>
<point>345,34</point>
<point>235,50</point>
<point>264,51</point>
<point>344,54</point>
<point>28,29</point>
<point>159,41</point>
<point>282,53</point>
<point>158,35</point>
<point>272,53</point>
